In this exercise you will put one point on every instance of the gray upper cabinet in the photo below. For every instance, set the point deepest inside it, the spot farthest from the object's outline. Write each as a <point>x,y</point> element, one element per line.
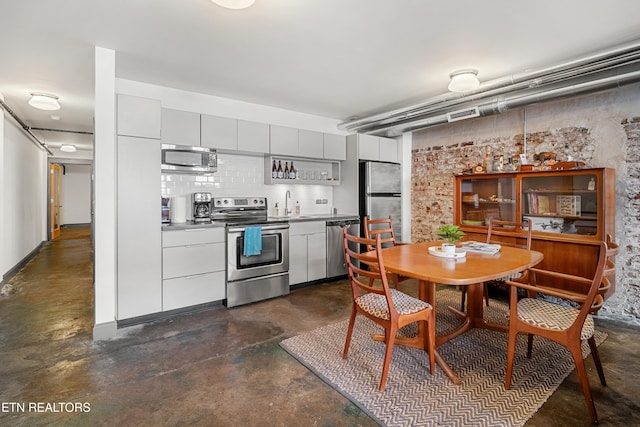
<point>377,148</point>
<point>220,133</point>
<point>180,127</point>
<point>388,150</point>
<point>140,117</point>
<point>335,147</point>
<point>253,137</point>
<point>283,140</point>
<point>310,144</point>
<point>368,147</point>
<point>292,142</point>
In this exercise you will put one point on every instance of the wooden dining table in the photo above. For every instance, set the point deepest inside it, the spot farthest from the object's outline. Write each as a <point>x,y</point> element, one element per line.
<point>472,270</point>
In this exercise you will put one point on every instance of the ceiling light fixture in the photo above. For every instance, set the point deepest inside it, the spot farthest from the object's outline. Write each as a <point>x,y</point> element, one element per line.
<point>234,4</point>
<point>464,80</point>
<point>68,148</point>
<point>44,101</point>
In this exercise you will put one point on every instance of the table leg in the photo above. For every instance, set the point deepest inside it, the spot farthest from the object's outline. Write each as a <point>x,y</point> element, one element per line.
<point>474,316</point>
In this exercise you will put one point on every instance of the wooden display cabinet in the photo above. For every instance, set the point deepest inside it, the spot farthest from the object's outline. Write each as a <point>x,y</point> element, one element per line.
<point>570,211</point>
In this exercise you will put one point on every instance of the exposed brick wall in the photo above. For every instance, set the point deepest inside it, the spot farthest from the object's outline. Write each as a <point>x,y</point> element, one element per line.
<point>628,260</point>
<point>434,167</point>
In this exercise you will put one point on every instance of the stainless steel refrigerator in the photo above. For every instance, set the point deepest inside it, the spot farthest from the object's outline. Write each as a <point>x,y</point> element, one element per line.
<point>381,193</point>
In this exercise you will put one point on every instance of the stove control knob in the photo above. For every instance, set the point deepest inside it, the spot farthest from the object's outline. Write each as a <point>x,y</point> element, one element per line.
<point>226,201</point>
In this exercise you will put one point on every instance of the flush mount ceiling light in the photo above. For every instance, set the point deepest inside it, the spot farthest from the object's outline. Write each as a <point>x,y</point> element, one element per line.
<point>234,4</point>
<point>44,101</point>
<point>67,148</point>
<point>464,80</point>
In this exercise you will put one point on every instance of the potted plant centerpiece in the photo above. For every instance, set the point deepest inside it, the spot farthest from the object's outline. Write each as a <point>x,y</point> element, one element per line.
<point>451,234</point>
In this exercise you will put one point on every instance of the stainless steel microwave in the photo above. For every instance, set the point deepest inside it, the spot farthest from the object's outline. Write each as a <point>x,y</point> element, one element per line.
<point>183,159</point>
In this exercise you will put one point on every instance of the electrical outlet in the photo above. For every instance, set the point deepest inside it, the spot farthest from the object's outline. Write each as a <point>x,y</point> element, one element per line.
<point>325,201</point>
<point>318,201</point>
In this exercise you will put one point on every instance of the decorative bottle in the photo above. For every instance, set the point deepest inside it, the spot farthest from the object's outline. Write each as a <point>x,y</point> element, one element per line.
<point>280,173</point>
<point>274,170</point>
<point>292,171</point>
<point>286,170</point>
<point>488,163</point>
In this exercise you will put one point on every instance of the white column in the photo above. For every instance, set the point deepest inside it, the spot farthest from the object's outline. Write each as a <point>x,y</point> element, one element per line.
<point>104,195</point>
<point>3,267</point>
<point>405,159</point>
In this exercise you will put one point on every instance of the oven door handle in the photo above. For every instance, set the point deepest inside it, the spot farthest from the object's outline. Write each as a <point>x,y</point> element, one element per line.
<point>264,228</point>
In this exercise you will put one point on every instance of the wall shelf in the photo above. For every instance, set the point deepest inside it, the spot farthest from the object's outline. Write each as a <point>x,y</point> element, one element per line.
<point>310,171</point>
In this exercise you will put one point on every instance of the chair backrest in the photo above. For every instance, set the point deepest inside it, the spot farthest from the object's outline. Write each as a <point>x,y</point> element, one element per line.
<point>609,273</point>
<point>612,251</point>
<point>512,233</point>
<point>361,278</point>
<point>593,299</point>
<point>379,227</point>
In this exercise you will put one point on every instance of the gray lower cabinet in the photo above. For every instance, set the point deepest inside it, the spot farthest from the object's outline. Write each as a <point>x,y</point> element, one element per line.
<point>193,267</point>
<point>307,251</point>
<point>139,233</point>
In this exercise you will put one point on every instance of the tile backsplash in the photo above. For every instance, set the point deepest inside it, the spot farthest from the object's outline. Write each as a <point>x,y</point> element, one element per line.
<point>243,176</point>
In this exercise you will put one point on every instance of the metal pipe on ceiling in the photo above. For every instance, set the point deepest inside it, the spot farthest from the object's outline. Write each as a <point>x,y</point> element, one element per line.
<point>430,112</point>
<point>80,132</point>
<point>26,128</point>
<point>501,104</point>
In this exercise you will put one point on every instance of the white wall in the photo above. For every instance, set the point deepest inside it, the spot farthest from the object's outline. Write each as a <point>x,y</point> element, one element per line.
<point>23,196</point>
<point>76,195</point>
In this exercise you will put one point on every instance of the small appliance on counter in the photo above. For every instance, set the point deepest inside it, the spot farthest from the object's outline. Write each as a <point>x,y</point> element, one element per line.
<point>201,207</point>
<point>180,206</point>
<point>166,210</point>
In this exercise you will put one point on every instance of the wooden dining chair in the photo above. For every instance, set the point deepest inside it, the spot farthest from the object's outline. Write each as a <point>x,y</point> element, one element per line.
<point>386,306</point>
<point>567,324</point>
<point>383,227</point>
<point>505,233</point>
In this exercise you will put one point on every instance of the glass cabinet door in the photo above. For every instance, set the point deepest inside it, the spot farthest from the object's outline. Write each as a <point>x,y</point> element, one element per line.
<point>565,204</point>
<point>487,197</point>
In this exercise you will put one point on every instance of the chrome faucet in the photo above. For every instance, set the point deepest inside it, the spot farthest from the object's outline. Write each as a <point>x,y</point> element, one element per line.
<point>287,196</point>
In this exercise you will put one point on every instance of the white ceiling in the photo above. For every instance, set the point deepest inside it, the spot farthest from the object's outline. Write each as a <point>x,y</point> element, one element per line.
<point>333,58</point>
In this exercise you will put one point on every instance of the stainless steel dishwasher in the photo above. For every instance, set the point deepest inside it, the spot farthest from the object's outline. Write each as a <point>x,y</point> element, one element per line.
<point>335,253</point>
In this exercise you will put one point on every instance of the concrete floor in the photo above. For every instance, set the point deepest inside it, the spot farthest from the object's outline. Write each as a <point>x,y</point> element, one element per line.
<point>217,367</point>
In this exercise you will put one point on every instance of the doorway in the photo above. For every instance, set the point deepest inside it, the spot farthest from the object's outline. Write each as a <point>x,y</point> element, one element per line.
<point>55,173</point>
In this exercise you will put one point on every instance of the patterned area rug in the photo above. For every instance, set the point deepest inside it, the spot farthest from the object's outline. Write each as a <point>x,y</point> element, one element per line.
<point>413,397</point>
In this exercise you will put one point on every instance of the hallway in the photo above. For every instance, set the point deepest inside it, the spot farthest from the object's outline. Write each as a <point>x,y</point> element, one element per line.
<point>216,367</point>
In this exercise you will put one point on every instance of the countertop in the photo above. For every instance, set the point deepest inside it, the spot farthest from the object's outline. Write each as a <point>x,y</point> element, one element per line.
<point>270,220</point>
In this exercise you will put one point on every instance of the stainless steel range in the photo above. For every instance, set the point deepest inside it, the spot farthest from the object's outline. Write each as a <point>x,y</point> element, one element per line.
<point>257,250</point>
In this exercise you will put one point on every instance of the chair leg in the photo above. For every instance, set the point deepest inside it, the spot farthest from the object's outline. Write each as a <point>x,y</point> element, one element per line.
<point>596,359</point>
<point>352,321</point>
<point>529,345</point>
<point>576,352</point>
<point>393,278</point>
<point>486,294</point>
<point>431,341</point>
<point>391,337</point>
<point>511,350</point>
